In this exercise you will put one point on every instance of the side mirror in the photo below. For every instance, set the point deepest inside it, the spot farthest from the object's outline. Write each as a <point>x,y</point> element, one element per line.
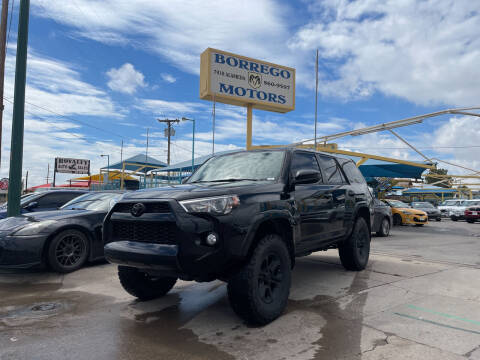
<point>31,205</point>
<point>307,176</point>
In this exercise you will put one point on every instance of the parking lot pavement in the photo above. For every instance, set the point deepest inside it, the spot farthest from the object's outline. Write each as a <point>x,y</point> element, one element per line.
<point>418,299</point>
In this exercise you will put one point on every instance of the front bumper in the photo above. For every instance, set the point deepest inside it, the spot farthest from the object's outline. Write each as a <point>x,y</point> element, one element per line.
<point>173,243</point>
<point>414,219</point>
<point>21,252</point>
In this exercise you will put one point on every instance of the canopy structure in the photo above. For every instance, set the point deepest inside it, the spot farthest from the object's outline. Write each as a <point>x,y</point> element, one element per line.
<point>187,165</point>
<point>113,175</point>
<point>437,193</point>
<point>381,169</point>
<point>138,163</point>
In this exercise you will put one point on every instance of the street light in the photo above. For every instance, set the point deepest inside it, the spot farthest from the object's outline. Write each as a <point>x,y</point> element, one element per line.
<point>108,166</point>
<point>193,140</point>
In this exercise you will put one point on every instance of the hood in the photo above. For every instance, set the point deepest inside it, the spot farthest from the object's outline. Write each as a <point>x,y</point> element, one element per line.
<point>410,210</point>
<point>22,220</point>
<point>191,191</point>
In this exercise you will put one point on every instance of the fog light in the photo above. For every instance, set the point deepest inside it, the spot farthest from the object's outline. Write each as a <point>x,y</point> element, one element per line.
<point>211,239</point>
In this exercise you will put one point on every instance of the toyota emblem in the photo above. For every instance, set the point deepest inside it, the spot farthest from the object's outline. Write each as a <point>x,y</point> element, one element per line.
<point>138,209</point>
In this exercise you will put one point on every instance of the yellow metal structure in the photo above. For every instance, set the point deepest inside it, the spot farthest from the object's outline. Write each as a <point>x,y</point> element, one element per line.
<point>363,157</point>
<point>249,126</point>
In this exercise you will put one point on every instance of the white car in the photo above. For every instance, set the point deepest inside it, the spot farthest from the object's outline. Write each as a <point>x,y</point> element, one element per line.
<point>447,205</point>
<point>458,212</point>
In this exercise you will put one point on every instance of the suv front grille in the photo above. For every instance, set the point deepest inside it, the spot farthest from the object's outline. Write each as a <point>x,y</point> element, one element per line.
<point>160,207</point>
<point>144,231</point>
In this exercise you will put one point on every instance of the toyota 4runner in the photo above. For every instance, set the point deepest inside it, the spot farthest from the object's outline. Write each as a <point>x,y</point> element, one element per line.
<point>242,218</point>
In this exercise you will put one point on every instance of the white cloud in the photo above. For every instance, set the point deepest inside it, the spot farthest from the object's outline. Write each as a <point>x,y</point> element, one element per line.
<point>180,30</point>
<point>423,52</point>
<point>168,78</point>
<point>125,79</point>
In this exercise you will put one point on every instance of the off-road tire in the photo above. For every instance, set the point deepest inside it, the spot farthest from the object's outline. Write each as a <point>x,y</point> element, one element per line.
<point>143,286</point>
<point>269,267</point>
<point>355,251</point>
<point>384,227</point>
<point>67,251</point>
<point>397,220</point>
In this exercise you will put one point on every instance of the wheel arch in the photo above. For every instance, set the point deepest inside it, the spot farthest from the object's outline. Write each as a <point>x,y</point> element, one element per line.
<point>363,212</point>
<point>280,226</point>
<point>64,228</point>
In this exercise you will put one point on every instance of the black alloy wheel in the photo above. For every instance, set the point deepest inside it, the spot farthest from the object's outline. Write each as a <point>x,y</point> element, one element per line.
<point>259,291</point>
<point>355,251</point>
<point>397,220</point>
<point>384,228</point>
<point>68,251</point>
<point>270,278</point>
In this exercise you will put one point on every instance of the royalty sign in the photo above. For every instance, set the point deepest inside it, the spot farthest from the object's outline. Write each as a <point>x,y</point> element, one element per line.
<point>238,80</point>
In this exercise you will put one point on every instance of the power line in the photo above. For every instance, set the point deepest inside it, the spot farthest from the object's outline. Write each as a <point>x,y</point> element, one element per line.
<point>67,117</point>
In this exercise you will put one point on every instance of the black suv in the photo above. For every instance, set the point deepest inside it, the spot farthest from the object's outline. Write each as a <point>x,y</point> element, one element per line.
<point>242,218</point>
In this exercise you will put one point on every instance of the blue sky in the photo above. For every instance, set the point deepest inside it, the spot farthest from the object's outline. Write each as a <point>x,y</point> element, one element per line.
<point>103,71</point>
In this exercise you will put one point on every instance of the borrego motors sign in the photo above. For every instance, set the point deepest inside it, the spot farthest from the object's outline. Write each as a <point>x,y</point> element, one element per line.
<point>238,80</point>
<point>72,166</point>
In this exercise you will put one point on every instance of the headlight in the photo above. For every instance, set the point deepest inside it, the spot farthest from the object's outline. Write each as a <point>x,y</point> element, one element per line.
<point>33,228</point>
<point>220,205</point>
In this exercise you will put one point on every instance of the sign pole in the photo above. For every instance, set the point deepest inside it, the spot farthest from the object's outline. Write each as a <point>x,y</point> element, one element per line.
<point>54,172</point>
<point>16,152</point>
<point>249,126</point>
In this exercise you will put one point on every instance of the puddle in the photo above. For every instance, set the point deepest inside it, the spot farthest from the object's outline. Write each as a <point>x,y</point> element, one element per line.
<point>25,315</point>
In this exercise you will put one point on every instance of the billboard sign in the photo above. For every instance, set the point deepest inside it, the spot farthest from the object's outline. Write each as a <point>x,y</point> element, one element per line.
<point>72,166</point>
<point>238,80</point>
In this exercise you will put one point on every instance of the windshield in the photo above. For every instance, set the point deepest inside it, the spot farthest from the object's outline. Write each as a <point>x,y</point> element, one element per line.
<point>258,165</point>
<point>450,203</point>
<point>397,204</point>
<point>93,201</point>
<point>24,199</point>
<point>422,205</point>
<point>470,203</point>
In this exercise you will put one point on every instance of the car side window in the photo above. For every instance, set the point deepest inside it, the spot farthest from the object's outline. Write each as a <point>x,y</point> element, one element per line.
<point>352,172</point>
<point>303,160</point>
<point>331,170</point>
<point>54,199</point>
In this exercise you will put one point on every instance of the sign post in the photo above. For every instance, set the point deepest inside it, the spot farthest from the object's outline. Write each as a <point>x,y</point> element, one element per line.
<point>237,80</point>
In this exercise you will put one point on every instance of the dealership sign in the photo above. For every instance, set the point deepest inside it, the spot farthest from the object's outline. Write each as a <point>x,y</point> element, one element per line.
<point>72,166</point>
<point>238,80</point>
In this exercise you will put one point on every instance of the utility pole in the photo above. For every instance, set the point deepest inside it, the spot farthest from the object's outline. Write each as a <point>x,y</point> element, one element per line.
<point>146,150</point>
<point>121,153</point>
<point>169,134</point>
<point>26,181</point>
<point>16,152</point>
<point>48,172</point>
<point>316,98</point>
<point>3,52</point>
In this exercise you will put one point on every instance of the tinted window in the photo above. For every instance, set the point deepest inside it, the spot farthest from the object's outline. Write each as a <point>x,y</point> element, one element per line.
<point>331,171</point>
<point>352,172</point>
<point>303,160</point>
<point>55,199</point>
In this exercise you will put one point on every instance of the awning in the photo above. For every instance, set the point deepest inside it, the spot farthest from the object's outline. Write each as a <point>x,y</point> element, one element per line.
<point>138,163</point>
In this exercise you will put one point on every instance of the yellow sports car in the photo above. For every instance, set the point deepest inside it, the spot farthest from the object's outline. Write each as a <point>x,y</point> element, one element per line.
<point>403,214</point>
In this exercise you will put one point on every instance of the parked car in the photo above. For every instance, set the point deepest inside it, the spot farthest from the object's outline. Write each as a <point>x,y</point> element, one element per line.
<point>43,201</point>
<point>472,214</point>
<point>458,212</point>
<point>432,211</point>
<point>403,214</point>
<point>383,219</point>
<point>64,239</point>
<point>445,206</point>
<point>243,218</point>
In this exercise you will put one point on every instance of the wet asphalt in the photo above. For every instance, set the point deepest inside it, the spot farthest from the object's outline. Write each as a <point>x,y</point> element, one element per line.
<point>418,299</point>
